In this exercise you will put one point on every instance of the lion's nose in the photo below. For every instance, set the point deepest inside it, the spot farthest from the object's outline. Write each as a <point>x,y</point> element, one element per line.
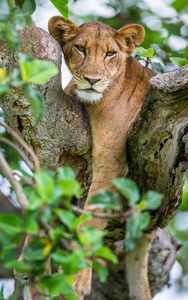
<point>92,80</point>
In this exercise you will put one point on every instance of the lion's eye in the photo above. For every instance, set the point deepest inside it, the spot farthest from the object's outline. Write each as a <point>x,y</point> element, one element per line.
<point>81,48</point>
<point>110,53</point>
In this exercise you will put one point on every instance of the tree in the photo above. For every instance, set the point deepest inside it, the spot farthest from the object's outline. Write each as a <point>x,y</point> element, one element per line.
<point>63,138</point>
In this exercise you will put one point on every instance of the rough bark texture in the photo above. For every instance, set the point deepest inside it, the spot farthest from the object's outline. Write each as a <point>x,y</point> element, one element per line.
<point>157,150</point>
<point>157,142</point>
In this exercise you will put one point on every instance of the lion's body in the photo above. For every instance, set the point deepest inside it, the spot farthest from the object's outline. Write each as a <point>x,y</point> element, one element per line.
<point>114,86</point>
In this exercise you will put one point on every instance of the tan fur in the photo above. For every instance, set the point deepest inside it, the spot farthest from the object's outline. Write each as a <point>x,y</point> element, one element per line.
<point>114,88</point>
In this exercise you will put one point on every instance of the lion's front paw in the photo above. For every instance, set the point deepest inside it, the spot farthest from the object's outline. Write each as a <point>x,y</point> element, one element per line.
<point>82,283</point>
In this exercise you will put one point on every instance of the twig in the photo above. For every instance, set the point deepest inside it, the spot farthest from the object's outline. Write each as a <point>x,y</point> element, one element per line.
<point>120,215</point>
<point>24,178</point>
<point>7,172</point>
<point>18,150</point>
<point>23,144</point>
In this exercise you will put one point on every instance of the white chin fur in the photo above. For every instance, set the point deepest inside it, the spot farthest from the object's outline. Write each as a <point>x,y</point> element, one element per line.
<point>88,96</point>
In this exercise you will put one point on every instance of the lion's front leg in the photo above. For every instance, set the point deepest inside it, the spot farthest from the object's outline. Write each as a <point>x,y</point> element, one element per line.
<point>82,283</point>
<point>137,269</point>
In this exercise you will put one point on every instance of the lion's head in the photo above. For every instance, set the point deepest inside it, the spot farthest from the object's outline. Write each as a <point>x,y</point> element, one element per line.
<point>95,53</point>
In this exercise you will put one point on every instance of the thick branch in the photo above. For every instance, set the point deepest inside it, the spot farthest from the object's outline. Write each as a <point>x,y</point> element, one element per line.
<point>157,147</point>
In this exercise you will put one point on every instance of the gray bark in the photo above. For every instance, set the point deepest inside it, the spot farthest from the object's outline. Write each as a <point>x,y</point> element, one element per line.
<point>157,143</point>
<point>156,149</point>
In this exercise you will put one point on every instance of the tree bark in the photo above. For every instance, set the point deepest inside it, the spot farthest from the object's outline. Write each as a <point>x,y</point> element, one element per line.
<point>157,143</point>
<point>156,150</point>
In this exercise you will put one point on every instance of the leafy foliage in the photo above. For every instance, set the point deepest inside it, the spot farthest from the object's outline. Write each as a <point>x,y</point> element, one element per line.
<point>31,71</point>
<point>140,218</point>
<point>50,193</point>
<point>147,55</point>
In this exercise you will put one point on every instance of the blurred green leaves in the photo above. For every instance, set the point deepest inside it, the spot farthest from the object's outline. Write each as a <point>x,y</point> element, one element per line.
<point>106,200</point>
<point>26,5</point>
<point>128,189</point>
<point>140,218</point>
<point>184,204</point>
<point>10,223</point>
<point>31,71</point>
<point>13,19</point>
<point>178,61</point>
<point>148,53</point>
<point>58,284</point>
<point>35,70</point>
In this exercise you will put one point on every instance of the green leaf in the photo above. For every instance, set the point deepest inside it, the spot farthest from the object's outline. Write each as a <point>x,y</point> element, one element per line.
<point>90,235</point>
<point>30,221</point>
<point>13,297</point>
<point>128,189</point>
<point>10,258</point>
<point>180,62</point>
<point>20,3</point>
<point>8,32</point>
<point>140,51</point>
<point>36,71</point>
<point>17,18</point>
<point>40,71</point>
<point>57,284</point>
<point>70,188</point>
<point>106,253</point>
<point>81,219</point>
<point>10,223</point>
<point>150,53</point>
<point>38,249</point>
<point>71,296</point>
<point>4,89</point>
<point>29,6</point>
<point>134,227</point>
<point>106,200</point>
<point>62,6</point>
<point>151,200</point>
<point>5,239</point>
<point>184,204</point>
<point>71,262</point>
<point>34,200</point>
<point>20,266</point>
<point>36,101</point>
<point>65,173</point>
<point>179,5</point>
<point>66,217</point>
<point>68,183</point>
<point>44,185</point>
<point>102,271</point>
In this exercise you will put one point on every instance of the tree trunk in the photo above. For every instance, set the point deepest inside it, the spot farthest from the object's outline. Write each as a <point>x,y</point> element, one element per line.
<point>156,150</point>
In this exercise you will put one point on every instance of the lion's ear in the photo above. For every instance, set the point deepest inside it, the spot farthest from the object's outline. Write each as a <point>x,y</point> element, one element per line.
<point>132,36</point>
<point>62,30</point>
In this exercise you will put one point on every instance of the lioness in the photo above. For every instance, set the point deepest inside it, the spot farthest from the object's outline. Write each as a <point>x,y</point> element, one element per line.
<point>113,85</point>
